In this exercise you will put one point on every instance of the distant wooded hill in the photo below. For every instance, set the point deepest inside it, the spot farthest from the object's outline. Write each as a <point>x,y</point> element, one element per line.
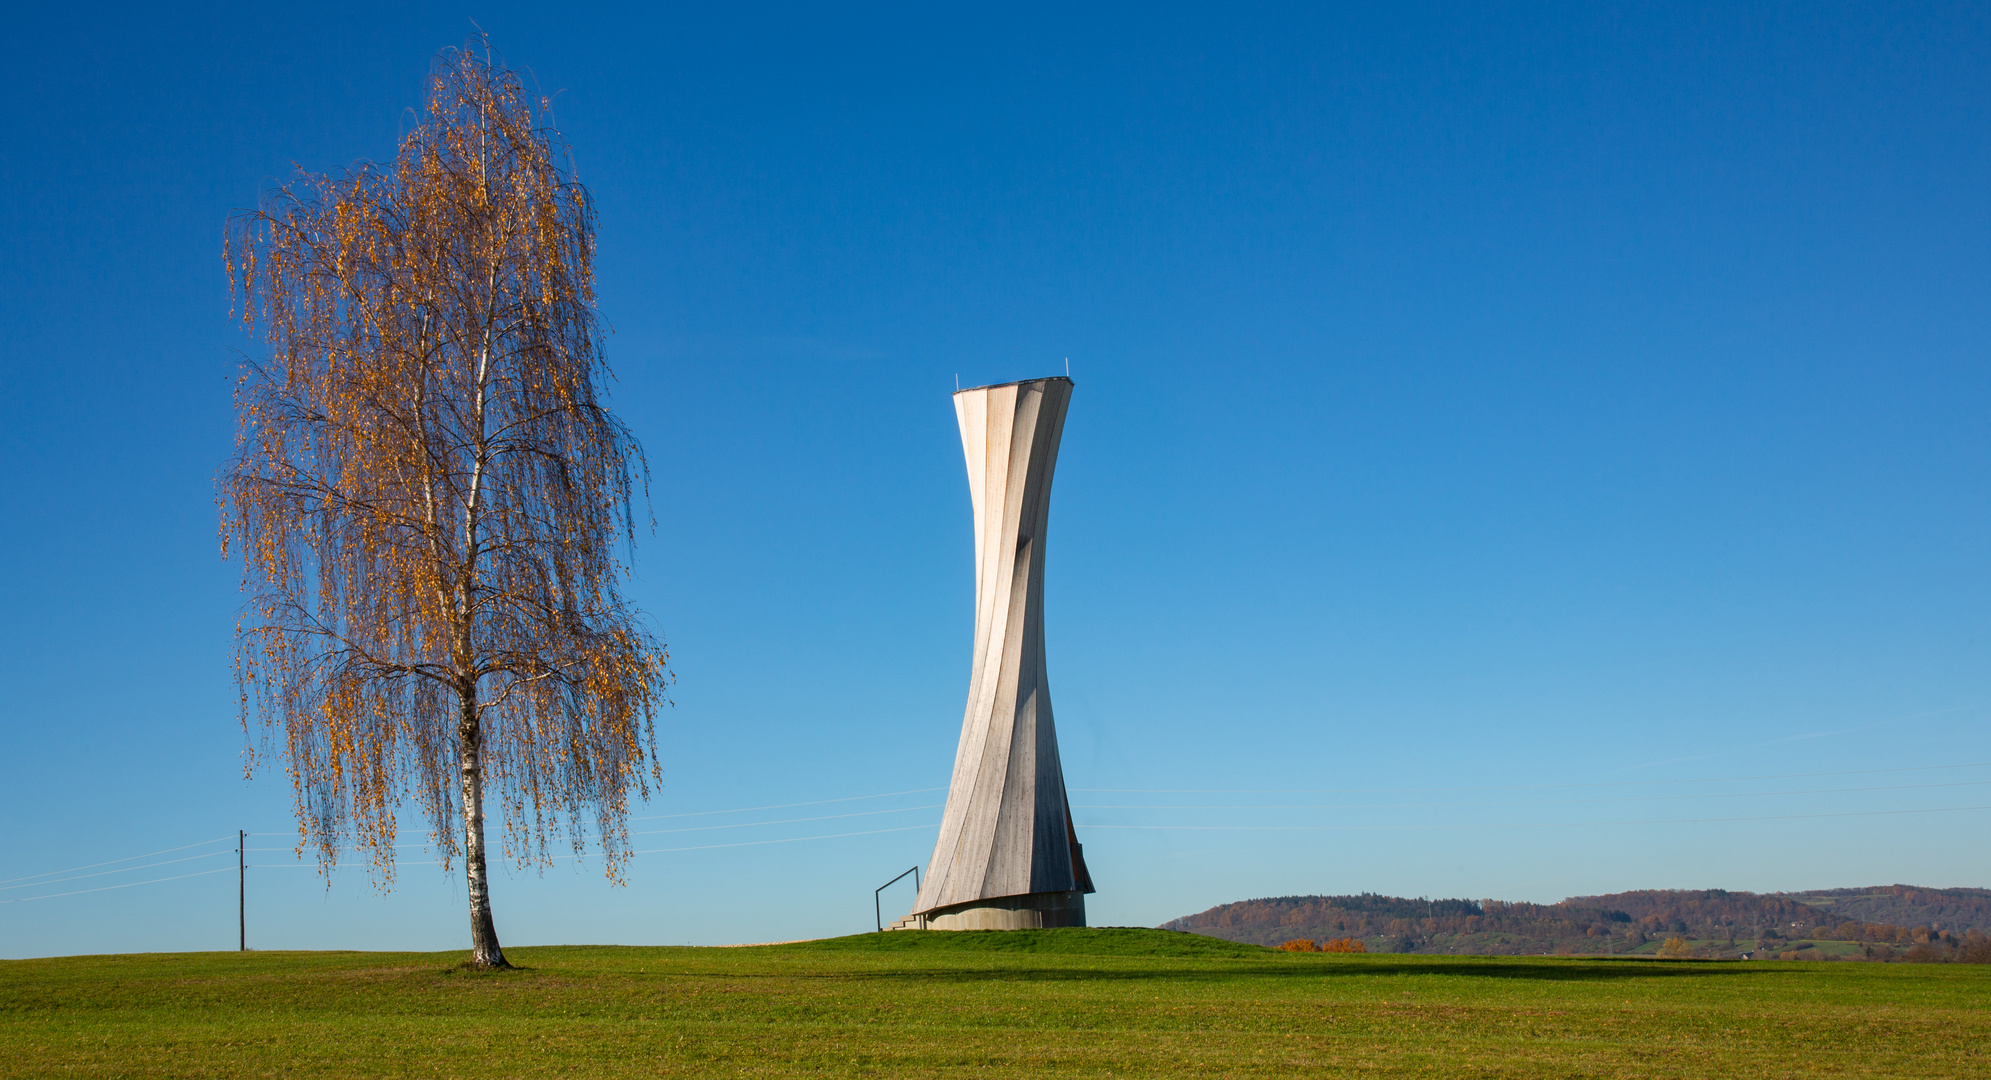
<point>1906,905</point>
<point>1881,922</point>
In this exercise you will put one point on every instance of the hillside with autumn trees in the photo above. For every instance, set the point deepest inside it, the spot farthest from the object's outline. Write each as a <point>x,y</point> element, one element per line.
<point>1898,922</point>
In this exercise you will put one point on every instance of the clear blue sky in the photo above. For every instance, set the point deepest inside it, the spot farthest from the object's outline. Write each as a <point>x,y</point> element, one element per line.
<point>1471,403</point>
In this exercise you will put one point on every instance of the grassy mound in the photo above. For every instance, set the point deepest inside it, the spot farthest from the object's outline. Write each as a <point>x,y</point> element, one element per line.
<point>1065,941</point>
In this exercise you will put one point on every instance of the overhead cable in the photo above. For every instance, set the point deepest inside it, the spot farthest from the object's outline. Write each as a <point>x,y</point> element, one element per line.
<point>1537,802</point>
<point>106,873</point>
<point>784,821</point>
<point>1525,824</point>
<point>127,858</point>
<point>127,885</point>
<point>785,806</point>
<point>1519,787</point>
<point>700,847</point>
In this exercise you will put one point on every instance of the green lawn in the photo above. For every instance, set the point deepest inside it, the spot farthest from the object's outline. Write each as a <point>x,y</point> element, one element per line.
<point>1077,1002</point>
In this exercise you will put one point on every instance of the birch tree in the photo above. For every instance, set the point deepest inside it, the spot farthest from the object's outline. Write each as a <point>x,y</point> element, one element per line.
<point>431,501</point>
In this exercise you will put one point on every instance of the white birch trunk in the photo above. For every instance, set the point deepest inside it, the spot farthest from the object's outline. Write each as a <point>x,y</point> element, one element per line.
<point>484,948</point>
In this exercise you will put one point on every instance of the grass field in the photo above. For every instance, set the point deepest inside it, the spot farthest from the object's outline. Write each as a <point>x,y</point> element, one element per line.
<point>1026,1003</point>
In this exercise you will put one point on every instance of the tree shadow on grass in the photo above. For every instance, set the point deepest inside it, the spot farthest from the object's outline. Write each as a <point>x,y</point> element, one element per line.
<point>1569,971</point>
<point>467,970</point>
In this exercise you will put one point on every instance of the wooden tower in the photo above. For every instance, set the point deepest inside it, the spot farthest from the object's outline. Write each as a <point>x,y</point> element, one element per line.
<point>1007,857</point>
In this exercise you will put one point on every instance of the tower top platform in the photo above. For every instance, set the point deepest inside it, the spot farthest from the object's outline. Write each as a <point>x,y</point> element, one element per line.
<point>1015,382</point>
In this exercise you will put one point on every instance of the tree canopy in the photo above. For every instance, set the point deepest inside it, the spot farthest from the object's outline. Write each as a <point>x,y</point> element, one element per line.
<point>431,499</point>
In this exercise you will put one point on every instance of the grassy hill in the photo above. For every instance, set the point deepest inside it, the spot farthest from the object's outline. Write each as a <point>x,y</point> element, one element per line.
<point>1935,924</point>
<point>1017,1004</point>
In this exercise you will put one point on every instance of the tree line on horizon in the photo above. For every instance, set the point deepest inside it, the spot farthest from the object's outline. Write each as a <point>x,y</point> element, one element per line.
<point>1711,922</point>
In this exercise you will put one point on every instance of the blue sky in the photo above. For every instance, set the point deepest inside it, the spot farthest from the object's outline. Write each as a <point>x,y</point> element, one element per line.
<point>1517,451</point>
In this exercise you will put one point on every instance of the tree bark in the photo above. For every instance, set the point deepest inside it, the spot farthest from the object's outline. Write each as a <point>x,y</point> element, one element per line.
<point>484,949</point>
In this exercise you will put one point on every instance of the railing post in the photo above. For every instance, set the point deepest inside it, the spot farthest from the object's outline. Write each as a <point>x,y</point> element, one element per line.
<point>878,906</point>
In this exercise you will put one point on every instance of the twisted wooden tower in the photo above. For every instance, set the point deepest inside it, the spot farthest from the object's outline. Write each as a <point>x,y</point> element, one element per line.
<point>1008,857</point>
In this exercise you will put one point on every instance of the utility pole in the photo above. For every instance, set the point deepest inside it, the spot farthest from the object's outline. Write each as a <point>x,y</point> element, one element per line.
<point>242,888</point>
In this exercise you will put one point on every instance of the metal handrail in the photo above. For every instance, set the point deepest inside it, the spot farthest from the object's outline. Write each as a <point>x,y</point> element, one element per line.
<point>877,906</point>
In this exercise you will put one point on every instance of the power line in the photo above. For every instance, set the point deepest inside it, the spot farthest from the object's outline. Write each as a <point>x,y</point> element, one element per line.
<point>785,806</point>
<point>660,832</point>
<point>1224,828</point>
<point>105,873</point>
<point>348,851</point>
<point>1517,787</point>
<point>9,884</point>
<point>784,821</point>
<point>1526,824</point>
<point>699,847</point>
<point>108,888</point>
<point>107,862</point>
<point>1538,802</point>
<point>757,843</point>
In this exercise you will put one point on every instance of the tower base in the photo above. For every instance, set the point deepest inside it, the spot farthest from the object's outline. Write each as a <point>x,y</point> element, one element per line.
<point>1031,911</point>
